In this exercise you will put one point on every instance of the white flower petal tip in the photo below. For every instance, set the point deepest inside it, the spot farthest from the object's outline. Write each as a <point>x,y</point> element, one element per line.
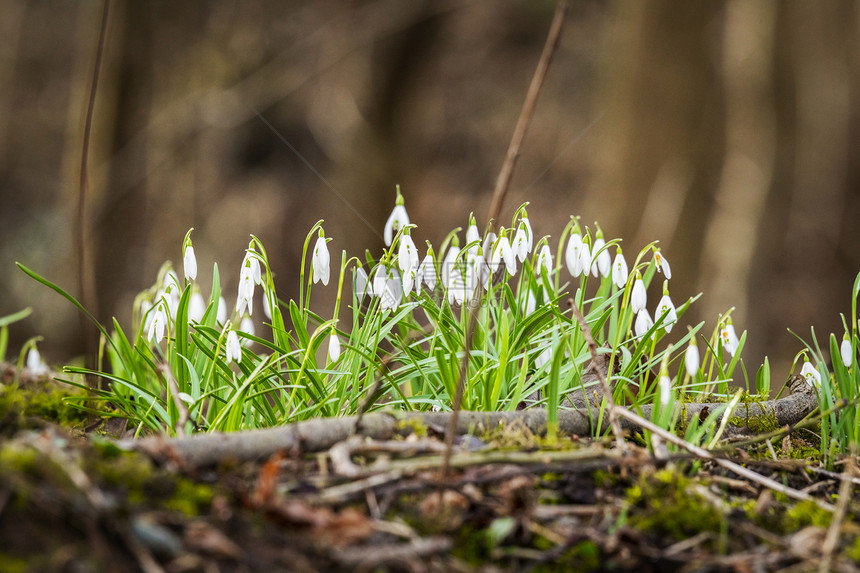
<point>320,261</point>
<point>620,272</point>
<point>397,220</point>
<point>639,296</point>
<point>189,263</point>
<point>847,353</point>
<point>333,347</point>
<point>665,390</point>
<point>35,364</point>
<point>602,262</point>
<point>643,323</point>
<point>544,261</point>
<point>666,307</point>
<point>196,307</point>
<point>232,347</point>
<point>811,375</point>
<point>572,255</point>
<point>663,264</point>
<point>729,339</point>
<point>691,360</point>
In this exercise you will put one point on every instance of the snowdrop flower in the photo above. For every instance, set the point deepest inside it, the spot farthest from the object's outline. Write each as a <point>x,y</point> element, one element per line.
<point>643,323</point>
<point>221,316</point>
<point>189,263</point>
<point>450,262</point>
<point>245,296</point>
<point>544,261</point>
<point>426,272</point>
<point>456,287</point>
<point>155,333</point>
<point>267,309</point>
<point>585,258</point>
<point>662,264</point>
<point>407,255</point>
<point>35,364</point>
<point>246,326</point>
<point>544,357</point>
<point>527,227</point>
<point>619,270</point>
<point>489,242</point>
<point>571,254</point>
<point>472,235</point>
<point>480,270</point>
<point>520,245</point>
<point>691,359</point>
<point>397,220</point>
<point>361,284</point>
<point>602,262</point>
<point>729,338</point>
<point>389,289</point>
<point>320,261</point>
<point>503,252</point>
<point>333,347</point>
<point>530,303</point>
<point>810,374</point>
<point>847,352</point>
<point>196,307</point>
<point>232,347</point>
<point>665,306</point>
<point>665,389</point>
<point>639,296</point>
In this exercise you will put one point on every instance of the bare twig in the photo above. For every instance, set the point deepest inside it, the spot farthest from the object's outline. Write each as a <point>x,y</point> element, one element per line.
<point>502,184</point>
<point>729,465</point>
<point>831,540</point>
<point>85,278</point>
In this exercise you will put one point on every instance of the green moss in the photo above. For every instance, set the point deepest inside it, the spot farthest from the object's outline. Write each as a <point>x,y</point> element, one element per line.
<point>664,503</point>
<point>190,498</point>
<point>762,424</point>
<point>805,513</point>
<point>584,556</point>
<point>853,550</point>
<point>45,400</point>
<point>412,426</point>
<point>10,564</point>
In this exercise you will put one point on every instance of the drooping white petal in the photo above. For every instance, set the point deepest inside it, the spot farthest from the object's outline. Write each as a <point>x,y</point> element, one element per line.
<point>449,264</point>
<point>267,310</point>
<point>530,303</point>
<point>504,252</point>
<point>407,256</point>
<point>662,264</point>
<point>729,339</point>
<point>811,374</point>
<point>520,245</point>
<point>35,364</point>
<point>665,390</point>
<point>643,322</point>
<point>544,262</point>
<point>392,291</point>
<point>639,296</point>
<point>456,287</point>
<point>395,222</point>
<point>189,263</point>
<point>196,307</point>
<point>666,306</point>
<point>156,327</point>
<point>529,234</point>
<point>602,262</point>
<point>847,353</point>
<point>544,357</point>
<point>571,255</point>
<point>472,235</point>
<point>333,347</point>
<point>489,242</point>
<point>619,270</point>
<point>691,360</point>
<point>232,347</point>
<point>320,261</point>
<point>221,316</point>
<point>247,326</point>
<point>360,284</point>
<point>585,258</point>
<point>427,272</point>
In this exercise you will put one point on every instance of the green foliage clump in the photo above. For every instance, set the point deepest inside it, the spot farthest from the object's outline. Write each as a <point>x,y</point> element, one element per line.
<point>666,503</point>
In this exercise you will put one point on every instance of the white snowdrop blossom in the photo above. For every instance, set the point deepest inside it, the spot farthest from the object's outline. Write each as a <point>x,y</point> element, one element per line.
<point>189,263</point>
<point>245,296</point>
<point>665,390</point>
<point>520,245</point>
<point>729,339</point>
<point>528,229</point>
<point>361,284</point>
<point>395,222</point>
<point>472,235</point>
<point>665,306</point>
<point>320,261</point>
<point>544,261</point>
<point>643,322</point>
<point>426,273</point>
<point>639,296</point>
<point>691,359</point>
<point>449,263</point>
<point>571,255</point>
<point>662,264</point>
<point>481,270</point>
<point>390,292</point>
<point>585,258</point>
<point>267,309</point>
<point>489,242</point>
<point>847,353</point>
<point>407,254</point>
<point>157,324</point>
<point>602,262</point>
<point>196,307</point>
<point>811,374</point>
<point>544,357</point>
<point>456,287</point>
<point>530,303</point>
<point>35,364</point>
<point>619,270</point>
<point>232,347</point>
<point>503,252</point>
<point>221,315</point>
<point>333,347</point>
<point>247,326</point>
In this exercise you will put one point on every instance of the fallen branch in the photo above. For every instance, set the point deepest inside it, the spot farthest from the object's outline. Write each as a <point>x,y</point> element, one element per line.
<point>318,435</point>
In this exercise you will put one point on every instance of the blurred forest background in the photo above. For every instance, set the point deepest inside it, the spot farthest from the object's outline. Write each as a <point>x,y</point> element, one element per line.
<point>727,130</point>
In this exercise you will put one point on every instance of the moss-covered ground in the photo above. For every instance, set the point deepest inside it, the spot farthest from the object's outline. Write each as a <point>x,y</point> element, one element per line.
<point>71,500</point>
